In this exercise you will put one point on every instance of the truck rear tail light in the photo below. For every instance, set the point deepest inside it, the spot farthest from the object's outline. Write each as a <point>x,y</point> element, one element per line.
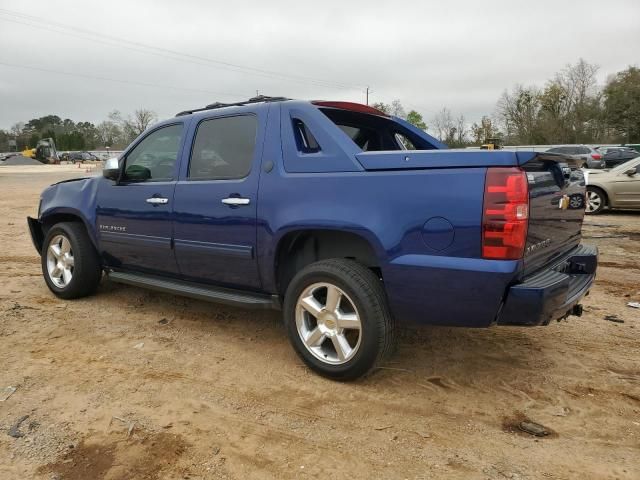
<point>505,216</point>
<point>596,156</point>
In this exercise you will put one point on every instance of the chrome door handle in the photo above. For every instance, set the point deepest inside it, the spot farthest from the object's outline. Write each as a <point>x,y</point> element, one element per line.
<point>157,200</point>
<point>235,201</point>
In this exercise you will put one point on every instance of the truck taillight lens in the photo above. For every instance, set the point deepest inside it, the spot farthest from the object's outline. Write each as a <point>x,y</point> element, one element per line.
<point>505,213</point>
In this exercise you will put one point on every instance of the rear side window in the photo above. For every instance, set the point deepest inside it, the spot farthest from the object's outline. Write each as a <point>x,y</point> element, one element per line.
<point>583,150</point>
<point>223,148</point>
<point>305,140</point>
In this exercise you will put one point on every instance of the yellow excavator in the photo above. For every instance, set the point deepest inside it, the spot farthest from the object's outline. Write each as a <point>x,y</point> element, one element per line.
<point>45,151</point>
<point>492,144</point>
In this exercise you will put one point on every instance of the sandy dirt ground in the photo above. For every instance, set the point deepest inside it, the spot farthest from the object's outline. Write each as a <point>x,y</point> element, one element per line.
<point>132,384</point>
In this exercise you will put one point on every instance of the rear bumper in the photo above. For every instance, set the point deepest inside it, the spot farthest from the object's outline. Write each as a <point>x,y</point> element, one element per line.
<point>552,293</point>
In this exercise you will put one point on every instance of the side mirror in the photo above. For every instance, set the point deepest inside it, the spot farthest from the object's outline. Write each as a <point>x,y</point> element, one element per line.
<point>111,169</point>
<point>631,172</point>
<point>137,173</point>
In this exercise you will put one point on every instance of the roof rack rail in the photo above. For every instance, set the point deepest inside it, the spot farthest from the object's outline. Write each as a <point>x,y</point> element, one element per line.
<point>215,105</point>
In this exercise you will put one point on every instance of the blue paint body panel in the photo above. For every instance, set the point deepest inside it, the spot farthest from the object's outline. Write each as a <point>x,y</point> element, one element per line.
<point>420,211</point>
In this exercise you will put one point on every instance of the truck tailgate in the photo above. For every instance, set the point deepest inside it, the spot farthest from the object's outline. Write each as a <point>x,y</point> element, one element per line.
<point>556,209</point>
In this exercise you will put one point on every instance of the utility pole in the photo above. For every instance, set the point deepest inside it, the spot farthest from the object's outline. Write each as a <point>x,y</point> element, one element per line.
<point>367,93</point>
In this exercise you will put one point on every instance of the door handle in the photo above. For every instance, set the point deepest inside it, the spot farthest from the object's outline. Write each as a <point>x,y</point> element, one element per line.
<point>157,200</point>
<point>236,201</point>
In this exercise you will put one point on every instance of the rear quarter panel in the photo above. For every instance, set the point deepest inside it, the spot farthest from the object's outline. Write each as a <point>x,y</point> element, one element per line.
<point>444,277</point>
<point>432,274</point>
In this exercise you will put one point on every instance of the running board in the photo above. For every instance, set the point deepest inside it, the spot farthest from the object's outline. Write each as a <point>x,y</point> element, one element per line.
<point>238,298</point>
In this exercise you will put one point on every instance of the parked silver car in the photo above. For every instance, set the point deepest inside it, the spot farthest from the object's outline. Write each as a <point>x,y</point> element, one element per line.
<point>582,155</point>
<point>615,188</point>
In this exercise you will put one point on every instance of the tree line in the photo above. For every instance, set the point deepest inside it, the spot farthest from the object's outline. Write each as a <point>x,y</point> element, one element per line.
<point>570,108</point>
<point>116,132</point>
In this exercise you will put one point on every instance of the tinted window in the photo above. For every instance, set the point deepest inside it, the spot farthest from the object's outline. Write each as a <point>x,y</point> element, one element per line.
<point>374,132</point>
<point>367,139</point>
<point>404,142</point>
<point>154,158</point>
<point>305,140</point>
<point>223,148</point>
<point>583,150</point>
<point>554,150</point>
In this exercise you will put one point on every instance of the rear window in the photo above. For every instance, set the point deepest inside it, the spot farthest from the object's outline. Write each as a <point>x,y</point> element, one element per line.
<point>375,133</point>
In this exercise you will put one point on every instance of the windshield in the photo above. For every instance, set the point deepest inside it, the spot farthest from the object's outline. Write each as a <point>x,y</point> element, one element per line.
<point>626,165</point>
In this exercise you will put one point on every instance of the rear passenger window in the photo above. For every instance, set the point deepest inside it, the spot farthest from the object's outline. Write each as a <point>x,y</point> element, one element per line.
<point>223,148</point>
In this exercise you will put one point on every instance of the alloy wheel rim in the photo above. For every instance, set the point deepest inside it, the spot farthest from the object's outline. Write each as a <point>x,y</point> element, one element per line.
<point>328,323</point>
<point>594,201</point>
<point>60,261</point>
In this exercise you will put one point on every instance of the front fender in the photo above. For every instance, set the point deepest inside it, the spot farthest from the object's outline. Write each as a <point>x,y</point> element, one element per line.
<point>66,214</point>
<point>74,199</point>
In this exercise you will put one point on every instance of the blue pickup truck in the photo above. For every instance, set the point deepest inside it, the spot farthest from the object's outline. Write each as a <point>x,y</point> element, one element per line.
<point>348,219</point>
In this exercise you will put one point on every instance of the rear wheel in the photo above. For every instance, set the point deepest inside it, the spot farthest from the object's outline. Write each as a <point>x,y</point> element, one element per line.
<point>596,200</point>
<point>70,264</point>
<point>337,318</point>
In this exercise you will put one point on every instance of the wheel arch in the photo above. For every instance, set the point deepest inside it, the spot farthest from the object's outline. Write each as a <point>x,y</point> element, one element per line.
<point>52,217</point>
<point>298,248</point>
<point>607,197</point>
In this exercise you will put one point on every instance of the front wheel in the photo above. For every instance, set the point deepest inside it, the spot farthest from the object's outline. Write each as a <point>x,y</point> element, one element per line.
<point>337,318</point>
<point>70,263</point>
<point>596,201</point>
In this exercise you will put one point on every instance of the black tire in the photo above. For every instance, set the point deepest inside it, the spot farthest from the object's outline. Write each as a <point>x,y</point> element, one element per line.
<point>86,271</point>
<point>365,291</point>
<point>594,193</point>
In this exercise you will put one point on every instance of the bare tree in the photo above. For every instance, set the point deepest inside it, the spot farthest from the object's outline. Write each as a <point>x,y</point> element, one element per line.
<point>137,123</point>
<point>397,109</point>
<point>518,111</point>
<point>579,84</point>
<point>17,128</point>
<point>444,124</point>
<point>483,131</point>
<point>461,131</point>
<point>141,120</point>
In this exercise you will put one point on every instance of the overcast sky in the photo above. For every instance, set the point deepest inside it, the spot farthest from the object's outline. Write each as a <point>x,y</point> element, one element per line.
<point>428,54</point>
